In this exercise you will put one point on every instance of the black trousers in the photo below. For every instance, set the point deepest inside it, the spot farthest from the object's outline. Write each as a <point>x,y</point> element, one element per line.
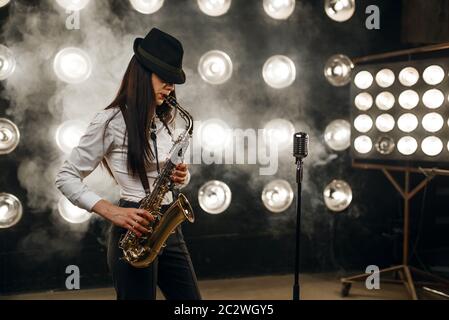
<point>172,270</point>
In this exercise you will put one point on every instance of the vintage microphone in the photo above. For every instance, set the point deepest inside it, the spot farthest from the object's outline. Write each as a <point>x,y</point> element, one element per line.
<point>300,151</point>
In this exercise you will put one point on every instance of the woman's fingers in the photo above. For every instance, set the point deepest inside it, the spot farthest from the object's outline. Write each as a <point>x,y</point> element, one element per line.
<point>131,228</point>
<point>137,226</point>
<point>145,214</point>
<point>139,219</point>
<point>181,174</point>
<point>181,166</point>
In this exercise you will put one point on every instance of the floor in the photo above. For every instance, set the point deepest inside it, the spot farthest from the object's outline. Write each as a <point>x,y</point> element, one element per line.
<point>279,287</point>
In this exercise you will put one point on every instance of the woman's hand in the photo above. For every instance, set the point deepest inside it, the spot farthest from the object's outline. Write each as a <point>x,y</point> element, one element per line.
<point>179,174</point>
<point>133,219</point>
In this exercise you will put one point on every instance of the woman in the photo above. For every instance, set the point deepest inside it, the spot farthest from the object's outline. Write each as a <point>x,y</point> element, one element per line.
<point>119,138</point>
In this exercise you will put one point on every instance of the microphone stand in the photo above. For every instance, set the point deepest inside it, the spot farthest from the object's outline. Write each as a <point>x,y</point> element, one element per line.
<point>296,286</point>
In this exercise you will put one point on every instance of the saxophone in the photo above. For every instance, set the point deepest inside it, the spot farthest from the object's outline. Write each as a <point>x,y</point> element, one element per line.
<point>141,252</point>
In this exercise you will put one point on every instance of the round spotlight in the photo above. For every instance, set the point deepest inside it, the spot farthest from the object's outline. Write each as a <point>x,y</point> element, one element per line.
<point>363,101</point>
<point>338,70</point>
<point>432,122</point>
<point>68,134</point>
<point>215,67</point>
<point>385,145</point>
<point>432,146</point>
<point>74,5</point>
<point>433,75</point>
<point>10,210</point>
<point>408,99</point>
<point>338,135</point>
<point>407,122</point>
<point>215,135</point>
<point>385,100</point>
<point>385,122</point>
<point>147,6</point>
<point>337,195</point>
<point>279,9</point>
<point>433,98</point>
<point>72,65</point>
<point>7,62</point>
<point>407,145</point>
<point>280,132</point>
<point>9,136</point>
<point>72,213</point>
<point>363,80</point>
<point>363,144</point>
<point>363,123</point>
<point>408,76</point>
<point>214,8</point>
<point>339,10</point>
<point>385,78</point>
<point>3,3</point>
<point>214,196</point>
<point>277,195</point>
<point>279,71</point>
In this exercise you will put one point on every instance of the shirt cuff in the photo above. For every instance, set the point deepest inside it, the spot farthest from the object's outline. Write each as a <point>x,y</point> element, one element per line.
<point>88,200</point>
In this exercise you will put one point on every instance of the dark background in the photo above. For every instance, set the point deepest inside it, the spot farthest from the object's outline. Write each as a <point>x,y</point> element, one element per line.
<point>247,239</point>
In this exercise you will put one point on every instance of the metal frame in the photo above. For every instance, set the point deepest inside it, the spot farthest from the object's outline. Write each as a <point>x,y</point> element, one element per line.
<point>405,270</point>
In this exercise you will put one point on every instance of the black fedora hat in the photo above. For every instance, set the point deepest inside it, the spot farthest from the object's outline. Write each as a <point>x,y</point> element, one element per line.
<point>162,54</point>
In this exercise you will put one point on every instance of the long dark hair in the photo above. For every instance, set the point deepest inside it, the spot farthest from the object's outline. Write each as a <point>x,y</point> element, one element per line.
<point>135,99</point>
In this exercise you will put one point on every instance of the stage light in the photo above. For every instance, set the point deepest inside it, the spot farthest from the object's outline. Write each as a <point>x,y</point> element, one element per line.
<point>277,195</point>
<point>215,67</point>
<point>363,101</point>
<point>10,210</point>
<point>279,71</point>
<point>214,196</point>
<point>279,9</point>
<point>385,145</point>
<point>214,8</point>
<point>215,135</point>
<point>433,75</point>
<point>408,76</point>
<point>363,123</point>
<point>407,145</point>
<point>3,3</point>
<point>433,98</point>
<point>339,10</point>
<point>432,146</point>
<point>410,110</point>
<point>338,70</point>
<point>385,122</point>
<point>408,99</point>
<point>407,122</point>
<point>7,62</point>
<point>337,195</point>
<point>68,134</point>
<point>72,65</point>
<point>74,5</point>
<point>279,132</point>
<point>72,213</point>
<point>147,6</point>
<point>363,79</point>
<point>9,136</point>
<point>432,122</point>
<point>385,78</point>
<point>363,144</point>
<point>337,135</point>
<point>385,100</point>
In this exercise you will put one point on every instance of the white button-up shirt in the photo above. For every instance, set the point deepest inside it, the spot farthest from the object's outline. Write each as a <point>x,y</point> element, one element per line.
<point>101,141</point>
